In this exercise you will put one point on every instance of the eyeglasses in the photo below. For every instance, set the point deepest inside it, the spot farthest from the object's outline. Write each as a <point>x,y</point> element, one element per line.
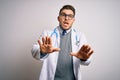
<point>70,16</point>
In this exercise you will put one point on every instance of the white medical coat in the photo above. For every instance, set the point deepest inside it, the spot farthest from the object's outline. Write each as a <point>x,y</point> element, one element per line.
<point>50,60</point>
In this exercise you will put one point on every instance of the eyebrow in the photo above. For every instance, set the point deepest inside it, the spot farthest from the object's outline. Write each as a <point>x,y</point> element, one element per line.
<point>65,13</point>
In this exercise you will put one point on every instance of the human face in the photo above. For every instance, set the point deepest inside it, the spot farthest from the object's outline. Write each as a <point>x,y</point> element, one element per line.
<point>66,19</point>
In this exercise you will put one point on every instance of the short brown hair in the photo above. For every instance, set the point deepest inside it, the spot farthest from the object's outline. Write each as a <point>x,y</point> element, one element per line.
<point>67,7</point>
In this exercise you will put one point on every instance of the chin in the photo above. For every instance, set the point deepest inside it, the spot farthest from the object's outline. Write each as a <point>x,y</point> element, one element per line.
<point>66,27</point>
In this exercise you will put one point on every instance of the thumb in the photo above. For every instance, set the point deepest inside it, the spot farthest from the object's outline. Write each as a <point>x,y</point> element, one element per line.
<point>39,42</point>
<point>73,54</point>
<point>56,49</point>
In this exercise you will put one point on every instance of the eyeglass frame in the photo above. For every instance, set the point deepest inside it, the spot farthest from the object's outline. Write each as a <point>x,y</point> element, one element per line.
<point>70,16</point>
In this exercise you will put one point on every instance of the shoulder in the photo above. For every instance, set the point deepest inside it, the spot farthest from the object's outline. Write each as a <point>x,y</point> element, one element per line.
<point>80,35</point>
<point>47,32</point>
<point>78,32</point>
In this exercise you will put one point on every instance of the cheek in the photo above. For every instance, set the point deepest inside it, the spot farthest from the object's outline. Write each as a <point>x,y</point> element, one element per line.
<point>60,20</point>
<point>71,23</point>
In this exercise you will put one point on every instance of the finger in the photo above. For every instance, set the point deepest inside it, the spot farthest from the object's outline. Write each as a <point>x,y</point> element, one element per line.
<point>49,41</point>
<point>43,40</point>
<point>90,53</point>
<point>46,40</point>
<point>73,54</point>
<point>87,49</point>
<point>82,48</point>
<point>39,42</point>
<point>56,49</point>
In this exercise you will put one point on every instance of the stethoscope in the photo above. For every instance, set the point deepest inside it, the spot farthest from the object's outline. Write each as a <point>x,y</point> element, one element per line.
<point>76,37</point>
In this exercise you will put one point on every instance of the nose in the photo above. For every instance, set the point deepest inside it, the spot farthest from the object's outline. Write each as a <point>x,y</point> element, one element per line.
<point>66,18</point>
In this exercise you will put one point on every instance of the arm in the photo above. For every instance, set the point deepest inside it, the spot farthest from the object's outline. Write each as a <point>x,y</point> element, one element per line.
<point>36,52</point>
<point>43,47</point>
<point>85,51</point>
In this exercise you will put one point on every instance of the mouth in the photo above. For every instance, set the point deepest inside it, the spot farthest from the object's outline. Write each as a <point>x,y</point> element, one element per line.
<point>66,23</point>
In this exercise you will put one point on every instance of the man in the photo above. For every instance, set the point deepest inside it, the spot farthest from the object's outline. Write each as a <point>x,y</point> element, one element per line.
<point>63,49</point>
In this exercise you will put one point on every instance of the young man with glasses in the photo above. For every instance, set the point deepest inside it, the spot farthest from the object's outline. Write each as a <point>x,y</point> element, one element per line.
<point>63,49</point>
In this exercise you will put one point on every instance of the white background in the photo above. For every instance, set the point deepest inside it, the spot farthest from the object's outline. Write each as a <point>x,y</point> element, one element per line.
<point>22,21</point>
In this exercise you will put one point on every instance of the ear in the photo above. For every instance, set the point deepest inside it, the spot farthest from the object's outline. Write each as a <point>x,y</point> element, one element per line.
<point>58,18</point>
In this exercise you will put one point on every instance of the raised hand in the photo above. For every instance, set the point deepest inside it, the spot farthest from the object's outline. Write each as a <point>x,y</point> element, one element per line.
<point>84,53</point>
<point>46,45</point>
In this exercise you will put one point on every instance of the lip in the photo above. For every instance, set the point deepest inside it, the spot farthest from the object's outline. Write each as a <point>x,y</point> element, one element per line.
<point>66,23</point>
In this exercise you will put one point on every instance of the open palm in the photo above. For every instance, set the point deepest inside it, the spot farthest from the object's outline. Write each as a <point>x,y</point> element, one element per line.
<point>84,53</point>
<point>46,45</point>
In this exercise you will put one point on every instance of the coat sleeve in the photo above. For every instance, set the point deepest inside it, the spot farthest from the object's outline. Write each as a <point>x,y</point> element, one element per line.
<point>36,51</point>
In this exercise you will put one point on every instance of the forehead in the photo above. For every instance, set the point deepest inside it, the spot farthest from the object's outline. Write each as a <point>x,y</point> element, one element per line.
<point>67,11</point>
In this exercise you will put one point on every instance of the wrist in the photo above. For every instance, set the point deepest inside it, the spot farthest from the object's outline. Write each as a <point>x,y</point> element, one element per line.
<point>83,59</point>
